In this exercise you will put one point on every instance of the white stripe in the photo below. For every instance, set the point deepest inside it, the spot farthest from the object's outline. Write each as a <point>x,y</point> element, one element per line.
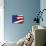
<point>19,21</point>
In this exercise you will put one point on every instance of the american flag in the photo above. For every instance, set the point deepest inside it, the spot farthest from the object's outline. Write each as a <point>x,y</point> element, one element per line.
<point>18,19</point>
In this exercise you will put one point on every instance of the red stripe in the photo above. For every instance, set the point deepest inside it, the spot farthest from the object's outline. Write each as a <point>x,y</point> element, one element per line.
<point>20,18</point>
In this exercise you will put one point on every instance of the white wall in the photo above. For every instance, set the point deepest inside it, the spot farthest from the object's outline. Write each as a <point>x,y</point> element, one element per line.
<point>1,20</point>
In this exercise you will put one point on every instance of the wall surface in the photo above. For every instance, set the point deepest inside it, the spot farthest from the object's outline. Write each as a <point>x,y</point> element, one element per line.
<point>28,8</point>
<point>43,6</point>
